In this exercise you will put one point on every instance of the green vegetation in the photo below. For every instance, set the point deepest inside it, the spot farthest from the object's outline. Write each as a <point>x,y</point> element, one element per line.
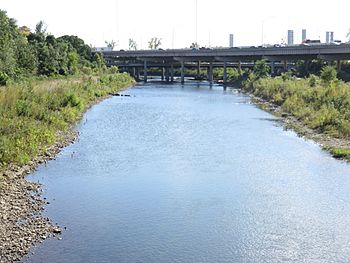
<point>46,83</point>
<point>25,54</point>
<point>321,103</point>
<point>154,43</point>
<point>34,112</point>
<point>339,153</point>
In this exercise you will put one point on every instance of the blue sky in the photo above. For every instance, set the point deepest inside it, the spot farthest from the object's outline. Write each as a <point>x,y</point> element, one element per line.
<point>175,22</point>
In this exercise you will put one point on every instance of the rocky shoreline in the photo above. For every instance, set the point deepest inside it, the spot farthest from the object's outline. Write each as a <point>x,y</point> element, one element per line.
<point>22,223</point>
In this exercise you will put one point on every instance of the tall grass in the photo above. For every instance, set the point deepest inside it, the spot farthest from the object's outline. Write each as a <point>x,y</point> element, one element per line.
<point>324,107</point>
<point>34,112</point>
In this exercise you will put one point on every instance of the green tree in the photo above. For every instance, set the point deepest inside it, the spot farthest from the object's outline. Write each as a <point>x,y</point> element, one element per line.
<point>194,45</point>
<point>261,69</point>
<point>132,44</point>
<point>154,43</point>
<point>99,60</point>
<point>110,44</point>
<point>7,45</point>
<point>328,75</point>
<point>83,50</point>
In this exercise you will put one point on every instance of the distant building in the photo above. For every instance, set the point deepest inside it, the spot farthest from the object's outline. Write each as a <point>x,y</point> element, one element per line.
<point>231,40</point>
<point>303,35</point>
<point>290,37</point>
<point>329,37</point>
<point>100,49</point>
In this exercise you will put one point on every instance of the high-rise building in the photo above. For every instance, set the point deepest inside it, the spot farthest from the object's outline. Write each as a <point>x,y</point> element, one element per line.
<point>303,35</point>
<point>231,40</point>
<point>329,37</point>
<point>290,37</point>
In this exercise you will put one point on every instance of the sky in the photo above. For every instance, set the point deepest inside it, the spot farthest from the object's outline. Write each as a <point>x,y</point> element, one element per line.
<point>252,22</point>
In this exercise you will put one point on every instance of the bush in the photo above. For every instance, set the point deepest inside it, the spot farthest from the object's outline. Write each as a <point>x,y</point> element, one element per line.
<point>32,113</point>
<point>4,78</point>
<point>328,74</point>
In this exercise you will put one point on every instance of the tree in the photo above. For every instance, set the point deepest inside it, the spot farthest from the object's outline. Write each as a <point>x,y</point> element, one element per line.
<point>83,50</point>
<point>154,43</point>
<point>328,75</point>
<point>261,69</point>
<point>132,44</point>
<point>194,45</point>
<point>110,44</point>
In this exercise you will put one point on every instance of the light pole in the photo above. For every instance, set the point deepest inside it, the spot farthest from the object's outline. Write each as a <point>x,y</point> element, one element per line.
<point>196,21</point>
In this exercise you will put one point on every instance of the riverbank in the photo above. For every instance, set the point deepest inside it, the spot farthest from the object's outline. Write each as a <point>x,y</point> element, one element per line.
<point>317,111</point>
<point>37,120</point>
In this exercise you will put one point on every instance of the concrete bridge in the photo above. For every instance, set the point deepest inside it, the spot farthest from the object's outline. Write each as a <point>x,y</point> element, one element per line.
<point>170,59</point>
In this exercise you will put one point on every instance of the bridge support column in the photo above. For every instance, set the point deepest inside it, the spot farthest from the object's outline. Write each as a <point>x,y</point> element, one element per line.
<point>172,73</point>
<point>167,74</point>
<point>163,73</point>
<point>145,71</point>
<point>239,67</point>
<point>210,73</point>
<point>137,74</point>
<point>198,69</point>
<point>272,66</point>
<point>285,65</point>
<point>338,65</point>
<point>134,72</point>
<point>182,72</point>
<point>307,65</point>
<point>225,72</point>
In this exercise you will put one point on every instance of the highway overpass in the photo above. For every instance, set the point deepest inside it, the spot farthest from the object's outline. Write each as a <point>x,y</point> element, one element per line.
<point>167,60</point>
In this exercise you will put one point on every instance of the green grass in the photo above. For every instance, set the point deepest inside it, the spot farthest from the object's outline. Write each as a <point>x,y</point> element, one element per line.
<point>32,113</point>
<point>339,153</point>
<point>323,107</point>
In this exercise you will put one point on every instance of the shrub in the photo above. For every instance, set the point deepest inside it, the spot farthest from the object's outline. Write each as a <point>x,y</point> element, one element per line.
<point>328,74</point>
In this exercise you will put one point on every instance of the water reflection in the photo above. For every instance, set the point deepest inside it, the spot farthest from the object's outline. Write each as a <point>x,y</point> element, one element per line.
<point>193,173</point>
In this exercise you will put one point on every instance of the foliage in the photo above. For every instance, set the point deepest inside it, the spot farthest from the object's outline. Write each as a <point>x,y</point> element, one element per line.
<point>325,108</point>
<point>110,44</point>
<point>261,69</point>
<point>194,45</point>
<point>34,112</point>
<point>328,75</point>
<point>24,53</point>
<point>154,43</point>
<point>132,44</point>
<point>340,153</point>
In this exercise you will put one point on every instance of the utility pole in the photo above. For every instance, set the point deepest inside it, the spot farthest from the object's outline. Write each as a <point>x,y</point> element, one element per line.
<point>196,21</point>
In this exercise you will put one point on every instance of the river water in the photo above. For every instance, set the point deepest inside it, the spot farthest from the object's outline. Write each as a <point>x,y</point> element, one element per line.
<point>193,173</point>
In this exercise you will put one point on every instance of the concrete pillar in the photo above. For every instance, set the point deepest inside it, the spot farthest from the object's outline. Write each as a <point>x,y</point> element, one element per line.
<point>172,72</point>
<point>134,72</point>
<point>338,65</point>
<point>167,74</point>
<point>307,65</point>
<point>210,75</point>
<point>198,69</point>
<point>163,73</point>
<point>182,72</point>
<point>225,72</point>
<point>285,65</point>
<point>272,65</point>
<point>145,71</point>
<point>137,74</point>
<point>239,67</point>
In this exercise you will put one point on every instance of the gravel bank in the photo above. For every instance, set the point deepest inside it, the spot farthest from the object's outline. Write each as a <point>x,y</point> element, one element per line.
<point>22,223</point>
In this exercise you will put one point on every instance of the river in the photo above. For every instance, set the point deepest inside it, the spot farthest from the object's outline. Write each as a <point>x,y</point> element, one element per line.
<point>193,173</point>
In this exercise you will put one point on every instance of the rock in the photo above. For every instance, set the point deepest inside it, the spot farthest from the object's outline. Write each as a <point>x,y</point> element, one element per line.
<point>57,230</point>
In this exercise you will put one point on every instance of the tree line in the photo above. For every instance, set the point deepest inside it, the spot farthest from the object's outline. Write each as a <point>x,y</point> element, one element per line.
<point>24,53</point>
